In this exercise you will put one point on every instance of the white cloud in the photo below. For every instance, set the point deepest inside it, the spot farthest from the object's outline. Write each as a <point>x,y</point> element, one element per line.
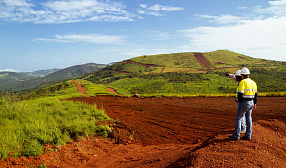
<point>70,11</point>
<point>260,34</point>
<point>242,7</point>
<point>157,10</point>
<point>64,11</point>
<point>9,70</point>
<point>277,8</point>
<point>164,8</point>
<point>157,35</point>
<point>16,3</point>
<point>89,38</point>
<point>222,19</point>
<point>258,38</point>
<point>144,51</point>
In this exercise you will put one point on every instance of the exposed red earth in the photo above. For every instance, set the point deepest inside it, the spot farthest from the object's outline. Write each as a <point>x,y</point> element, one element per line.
<point>81,89</point>
<point>204,62</point>
<point>173,132</point>
<point>111,90</point>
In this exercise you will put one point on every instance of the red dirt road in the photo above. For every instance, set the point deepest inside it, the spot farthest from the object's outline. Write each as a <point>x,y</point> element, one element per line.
<point>175,132</point>
<point>180,120</point>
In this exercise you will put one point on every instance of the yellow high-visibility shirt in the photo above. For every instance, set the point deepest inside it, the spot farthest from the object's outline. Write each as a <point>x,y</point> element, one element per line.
<point>248,88</point>
<point>236,93</point>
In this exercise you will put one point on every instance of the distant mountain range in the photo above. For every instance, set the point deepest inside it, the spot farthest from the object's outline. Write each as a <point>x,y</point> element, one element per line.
<point>14,81</point>
<point>40,73</point>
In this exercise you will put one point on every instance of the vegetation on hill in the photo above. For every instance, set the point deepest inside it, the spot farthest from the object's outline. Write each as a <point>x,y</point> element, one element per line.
<point>26,126</point>
<point>53,78</point>
<point>181,74</point>
<point>40,73</point>
<point>42,118</point>
<point>11,78</point>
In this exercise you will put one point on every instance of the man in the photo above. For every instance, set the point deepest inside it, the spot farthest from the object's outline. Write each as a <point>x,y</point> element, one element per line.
<point>237,78</point>
<point>247,98</point>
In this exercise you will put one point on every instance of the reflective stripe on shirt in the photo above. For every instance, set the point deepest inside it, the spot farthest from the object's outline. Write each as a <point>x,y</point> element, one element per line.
<point>248,96</point>
<point>248,88</point>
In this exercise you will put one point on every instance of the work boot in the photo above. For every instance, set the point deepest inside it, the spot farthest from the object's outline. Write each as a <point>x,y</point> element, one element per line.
<point>233,138</point>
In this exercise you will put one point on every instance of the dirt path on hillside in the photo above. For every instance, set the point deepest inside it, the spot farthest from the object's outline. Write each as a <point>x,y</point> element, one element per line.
<point>203,61</point>
<point>174,132</point>
<point>81,89</point>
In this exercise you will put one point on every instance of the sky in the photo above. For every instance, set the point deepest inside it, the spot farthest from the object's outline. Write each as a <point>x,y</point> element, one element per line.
<point>46,34</point>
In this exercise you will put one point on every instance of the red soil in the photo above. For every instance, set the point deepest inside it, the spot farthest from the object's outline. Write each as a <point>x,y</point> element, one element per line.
<point>203,61</point>
<point>111,90</point>
<point>174,132</point>
<point>219,63</point>
<point>81,89</point>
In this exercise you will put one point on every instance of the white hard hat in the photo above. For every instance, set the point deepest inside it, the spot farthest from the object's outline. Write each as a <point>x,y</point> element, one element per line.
<point>238,73</point>
<point>245,71</point>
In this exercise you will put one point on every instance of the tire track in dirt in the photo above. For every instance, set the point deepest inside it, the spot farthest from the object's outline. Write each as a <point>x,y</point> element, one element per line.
<point>204,62</point>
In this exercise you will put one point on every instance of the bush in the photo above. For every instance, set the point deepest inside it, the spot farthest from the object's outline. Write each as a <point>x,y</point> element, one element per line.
<point>33,148</point>
<point>27,125</point>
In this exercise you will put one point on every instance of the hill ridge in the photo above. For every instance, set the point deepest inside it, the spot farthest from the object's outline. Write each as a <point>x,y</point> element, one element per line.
<point>52,78</point>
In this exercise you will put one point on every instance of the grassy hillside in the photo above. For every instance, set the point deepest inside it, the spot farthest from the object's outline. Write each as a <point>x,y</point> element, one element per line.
<point>40,73</point>
<point>10,78</point>
<point>176,60</point>
<point>53,78</point>
<point>26,126</point>
<point>181,74</point>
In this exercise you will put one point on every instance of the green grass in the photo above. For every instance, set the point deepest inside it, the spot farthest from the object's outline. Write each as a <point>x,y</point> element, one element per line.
<point>175,84</point>
<point>180,60</point>
<point>190,84</point>
<point>93,89</point>
<point>25,126</point>
<point>3,75</point>
<point>272,94</point>
<point>269,75</point>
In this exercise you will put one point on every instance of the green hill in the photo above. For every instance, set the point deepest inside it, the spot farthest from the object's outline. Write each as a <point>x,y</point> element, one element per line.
<point>181,74</point>
<point>28,82</point>
<point>40,73</point>
<point>11,78</point>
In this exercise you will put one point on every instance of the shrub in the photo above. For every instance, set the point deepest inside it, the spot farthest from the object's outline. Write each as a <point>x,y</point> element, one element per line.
<point>27,125</point>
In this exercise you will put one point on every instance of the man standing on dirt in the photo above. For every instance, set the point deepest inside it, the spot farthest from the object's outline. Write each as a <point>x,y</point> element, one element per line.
<point>247,98</point>
<point>237,78</point>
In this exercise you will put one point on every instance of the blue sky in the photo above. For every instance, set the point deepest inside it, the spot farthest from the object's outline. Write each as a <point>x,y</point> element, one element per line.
<point>36,35</point>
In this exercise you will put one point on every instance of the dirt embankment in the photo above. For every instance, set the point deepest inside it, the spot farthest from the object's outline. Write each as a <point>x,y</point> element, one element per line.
<point>174,132</point>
